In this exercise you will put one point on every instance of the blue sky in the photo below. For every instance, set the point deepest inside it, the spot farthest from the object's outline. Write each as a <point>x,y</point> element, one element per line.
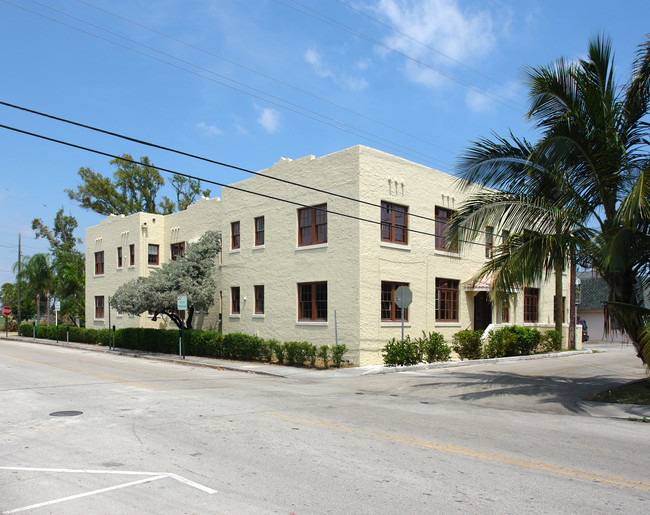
<point>247,83</point>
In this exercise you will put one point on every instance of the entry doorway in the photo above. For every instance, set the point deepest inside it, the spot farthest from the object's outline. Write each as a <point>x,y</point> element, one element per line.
<point>482,311</point>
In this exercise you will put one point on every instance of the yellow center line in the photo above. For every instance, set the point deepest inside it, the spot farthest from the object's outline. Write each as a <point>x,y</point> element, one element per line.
<point>88,373</point>
<point>536,465</point>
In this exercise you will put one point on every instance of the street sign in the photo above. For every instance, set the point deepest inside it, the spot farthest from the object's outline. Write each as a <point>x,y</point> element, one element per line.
<point>403,297</point>
<point>57,306</point>
<point>181,302</point>
<point>6,311</point>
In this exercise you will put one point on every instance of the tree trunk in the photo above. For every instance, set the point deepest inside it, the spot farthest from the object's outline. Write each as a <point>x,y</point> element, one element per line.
<point>572,301</point>
<point>557,304</point>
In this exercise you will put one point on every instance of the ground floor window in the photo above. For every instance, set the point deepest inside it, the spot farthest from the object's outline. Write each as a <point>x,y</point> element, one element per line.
<point>531,305</point>
<point>505,312</point>
<point>312,301</point>
<point>390,312</point>
<point>178,250</point>
<point>259,299</point>
<point>153,254</point>
<point>234,300</point>
<point>99,307</point>
<point>447,300</point>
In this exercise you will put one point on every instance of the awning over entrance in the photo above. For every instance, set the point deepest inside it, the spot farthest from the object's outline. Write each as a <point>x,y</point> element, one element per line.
<point>477,285</point>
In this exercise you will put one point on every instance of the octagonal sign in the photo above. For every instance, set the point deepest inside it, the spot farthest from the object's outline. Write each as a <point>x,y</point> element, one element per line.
<point>403,297</point>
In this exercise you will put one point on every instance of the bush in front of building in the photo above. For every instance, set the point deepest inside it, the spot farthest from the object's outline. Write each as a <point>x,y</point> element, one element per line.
<point>512,340</point>
<point>434,347</point>
<point>467,344</point>
<point>551,340</point>
<point>404,352</point>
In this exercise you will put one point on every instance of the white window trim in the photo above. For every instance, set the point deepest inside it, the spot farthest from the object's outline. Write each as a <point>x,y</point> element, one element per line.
<point>396,324</point>
<point>258,315</point>
<point>446,253</point>
<point>448,324</point>
<point>234,251</point>
<point>234,315</point>
<point>258,247</point>
<point>98,319</point>
<point>314,246</point>
<point>99,275</point>
<point>317,324</point>
<point>390,245</point>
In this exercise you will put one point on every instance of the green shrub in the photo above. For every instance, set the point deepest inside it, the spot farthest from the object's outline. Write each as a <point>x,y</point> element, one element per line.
<point>337,354</point>
<point>242,346</point>
<point>297,353</point>
<point>433,347</point>
<point>550,341</point>
<point>323,353</point>
<point>280,351</point>
<point>512,340</point>
<point>467,344</point>
<point>402,352</point>
<point>266,350</point>
<point>311,355</point>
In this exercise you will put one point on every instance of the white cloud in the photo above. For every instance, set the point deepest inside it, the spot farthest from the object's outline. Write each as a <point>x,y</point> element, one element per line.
<point>314,59</point>
<point>453,32</point>
<point>353,82</point>
<point>209,130</point>
<point>269,119</point>
<point>480,102</point>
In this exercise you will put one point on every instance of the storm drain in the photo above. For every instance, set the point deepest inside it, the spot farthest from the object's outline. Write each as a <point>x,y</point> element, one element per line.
<point>65,413</point>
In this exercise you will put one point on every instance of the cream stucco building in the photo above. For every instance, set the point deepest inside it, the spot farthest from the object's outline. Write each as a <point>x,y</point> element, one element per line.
<point>320,264</point>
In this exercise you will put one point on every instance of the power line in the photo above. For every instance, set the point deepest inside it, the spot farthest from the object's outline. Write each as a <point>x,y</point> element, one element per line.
<point>330,21</point>
<point>277,101</point>
<point>205,159</point>
<point>216,183</point>
<point>264,75</point>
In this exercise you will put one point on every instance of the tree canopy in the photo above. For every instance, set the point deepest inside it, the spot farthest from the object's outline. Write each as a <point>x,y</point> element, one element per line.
<point>190,275</point>
<point>134,188</point>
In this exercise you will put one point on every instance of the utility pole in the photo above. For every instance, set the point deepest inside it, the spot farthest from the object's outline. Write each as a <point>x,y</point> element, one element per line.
<point>18,281</point>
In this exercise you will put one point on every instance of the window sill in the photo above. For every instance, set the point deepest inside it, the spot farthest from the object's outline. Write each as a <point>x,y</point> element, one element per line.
<point>150,265</point>
<point>258,247</point>
<point>258,315</point>
<point>447,253</point>
<point>318,324</point>
<point>234,315</point>
<point>398,246</point>
<point>396,324</point>
<point>447,324</point>
<point>234,251</point>
<point>131,266</point>
<point>315,246</point>
<point>98,319</point>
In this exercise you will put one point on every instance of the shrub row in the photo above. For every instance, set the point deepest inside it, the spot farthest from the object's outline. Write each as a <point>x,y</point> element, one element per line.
<point>505,341</point>
<point>237,346</point>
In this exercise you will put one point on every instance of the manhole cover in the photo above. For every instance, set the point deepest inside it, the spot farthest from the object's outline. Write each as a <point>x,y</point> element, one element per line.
<point>65,413</point>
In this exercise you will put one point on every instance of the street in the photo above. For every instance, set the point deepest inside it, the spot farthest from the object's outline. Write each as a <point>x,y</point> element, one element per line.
<point>86,432</point>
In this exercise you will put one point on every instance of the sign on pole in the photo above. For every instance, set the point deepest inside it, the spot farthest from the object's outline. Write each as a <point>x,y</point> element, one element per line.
<point>6,311</point>
<point>403,299</point>
<point>57,306</point>
<point>181,302</point>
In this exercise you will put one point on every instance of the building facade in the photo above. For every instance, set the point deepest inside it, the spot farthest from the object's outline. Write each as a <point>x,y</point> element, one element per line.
<point>319,265</point>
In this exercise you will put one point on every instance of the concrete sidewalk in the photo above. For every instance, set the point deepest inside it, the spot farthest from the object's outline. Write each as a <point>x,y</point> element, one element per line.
<point>594,409</point>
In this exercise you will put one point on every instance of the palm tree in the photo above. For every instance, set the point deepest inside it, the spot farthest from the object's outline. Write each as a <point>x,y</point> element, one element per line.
<point>593,141</point>
<point>38,273</point>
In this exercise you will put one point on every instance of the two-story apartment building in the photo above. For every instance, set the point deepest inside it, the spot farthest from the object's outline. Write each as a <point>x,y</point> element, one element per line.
<point>320,262</point>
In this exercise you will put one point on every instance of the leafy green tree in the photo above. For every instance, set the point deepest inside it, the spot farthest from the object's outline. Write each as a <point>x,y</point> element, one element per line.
<point>134,188</point>
<point>37,272</point>
<point>191,275</point>
<point>9,297</point>
<point>595,139</point>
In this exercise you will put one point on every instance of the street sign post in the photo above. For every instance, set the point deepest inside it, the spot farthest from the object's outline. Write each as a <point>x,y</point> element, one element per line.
<point>403,299</point>
<point>6,311</point>
<point>181,305</point>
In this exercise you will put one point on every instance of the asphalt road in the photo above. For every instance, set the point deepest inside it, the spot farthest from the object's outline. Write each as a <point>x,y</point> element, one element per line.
<point>155,437</point>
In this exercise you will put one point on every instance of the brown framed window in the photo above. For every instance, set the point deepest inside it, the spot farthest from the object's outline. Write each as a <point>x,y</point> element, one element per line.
<point>394,223</point>
<point>99,307</point>
<point>505,312</point>
<point>312,301</point>
<point>259,231</point>
<point>504,235</point>
<point>99,263</point>
<point>234,300</point>
<point>178,250</point>
<point>131,255</point>
<point>563,307</point>
<point>153,254</point>
<point>259,299</point>
<point>119,257</point>
<point>390,312</point>
<point>234,235</point>
<point>531,305</point>
<point>447,300</point>
<point>489,242</point>
<point>312,225</point>
<point>443,241</point>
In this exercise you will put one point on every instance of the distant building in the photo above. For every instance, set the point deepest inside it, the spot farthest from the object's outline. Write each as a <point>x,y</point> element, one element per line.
<point>321,264</point>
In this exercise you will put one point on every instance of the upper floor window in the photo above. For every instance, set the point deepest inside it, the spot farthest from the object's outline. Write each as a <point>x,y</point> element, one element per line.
<point>259,231</point>
<point>489,242</point>
<point>119,257</point>
<point>531,305</point>
<point>447,300</point>
<point>99,307</point>
<point>131,255</point>
<point>394,223</point>
<point>99,263</point>
<point>234,235</point>
<point>153,257</point>
<point>234,300</point>
<point>178,250</point>
<point>391,312</point>
<point>443,241</point>
<point>259,299</point>
<point>504,235</point>
<point>312,225</point>
<point>312,301</point>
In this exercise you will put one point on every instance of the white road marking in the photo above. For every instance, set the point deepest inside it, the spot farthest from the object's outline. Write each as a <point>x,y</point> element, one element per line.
<point>153,476</point>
